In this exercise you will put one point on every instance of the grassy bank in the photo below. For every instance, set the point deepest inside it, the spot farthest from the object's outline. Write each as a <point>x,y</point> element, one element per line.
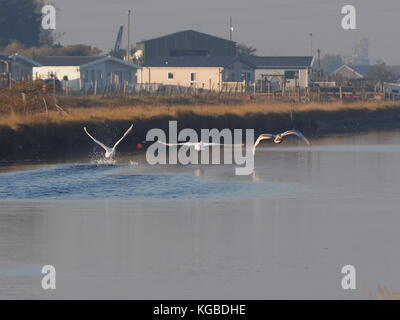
<point>57,131</point>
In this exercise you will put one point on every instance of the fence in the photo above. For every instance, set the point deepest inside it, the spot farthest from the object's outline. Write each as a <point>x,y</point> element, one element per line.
<point>240,89</point>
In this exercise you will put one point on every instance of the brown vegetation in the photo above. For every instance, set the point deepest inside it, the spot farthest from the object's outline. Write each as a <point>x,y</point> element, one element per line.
<point>25,104</point>
<point>38,127</point>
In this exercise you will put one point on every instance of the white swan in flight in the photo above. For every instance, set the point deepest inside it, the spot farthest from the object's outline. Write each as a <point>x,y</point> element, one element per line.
<point>278,138</point>
<point>110,152</point>
<point>198,146</point>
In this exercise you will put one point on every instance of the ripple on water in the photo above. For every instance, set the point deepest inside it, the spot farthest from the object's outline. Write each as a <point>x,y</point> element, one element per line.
<point>82,182</point>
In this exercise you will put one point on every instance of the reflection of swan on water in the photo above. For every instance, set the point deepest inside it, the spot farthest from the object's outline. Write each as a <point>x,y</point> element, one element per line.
<point>278,138</point>
<point>198,172</point>
<point>110,152</point>
<point>255,177</point>
<point>198,146</point>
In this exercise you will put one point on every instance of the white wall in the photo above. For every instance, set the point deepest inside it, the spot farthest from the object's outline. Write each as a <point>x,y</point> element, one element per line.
<point>304,78</point>
<point>207,78</point>
<point>102,74</point>
<point>302,82</point>
<point>108,73</point>
<point>72,72</point>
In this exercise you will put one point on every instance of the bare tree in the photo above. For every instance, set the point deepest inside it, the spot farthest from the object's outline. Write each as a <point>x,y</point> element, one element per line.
<point>244,50</point>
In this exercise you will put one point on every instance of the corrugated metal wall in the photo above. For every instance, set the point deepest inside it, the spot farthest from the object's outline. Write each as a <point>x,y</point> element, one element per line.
<point>187,43</point>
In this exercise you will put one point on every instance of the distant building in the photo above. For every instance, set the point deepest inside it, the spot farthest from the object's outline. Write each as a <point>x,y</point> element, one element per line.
<point>186,43</point>
<point>20,67</point>
<point>361,53</point>
<point>214,72</point>
<point>277,73</point>
<point>350,72</point>
<point>87,72</point>
<point>360,72</point>
<point>198,72</point>
<point>393,90</point>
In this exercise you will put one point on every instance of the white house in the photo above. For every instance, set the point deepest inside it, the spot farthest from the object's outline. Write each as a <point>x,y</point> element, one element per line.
<point>205,72</point>
<point>88,72</point>
<point>350,72</point>
<point>281,72</point>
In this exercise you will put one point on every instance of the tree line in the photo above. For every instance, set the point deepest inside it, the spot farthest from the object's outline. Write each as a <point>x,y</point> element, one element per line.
<point>21,31</point>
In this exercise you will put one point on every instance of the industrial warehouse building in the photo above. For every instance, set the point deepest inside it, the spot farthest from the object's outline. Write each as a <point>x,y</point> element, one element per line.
<point>84,73</point>
<point>186,43</point>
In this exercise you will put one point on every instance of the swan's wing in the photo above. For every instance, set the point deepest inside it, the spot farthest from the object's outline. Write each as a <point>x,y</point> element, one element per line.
<point>265,136</point>
<point>124,136</point>
<point>223,144</point>
<point>296,133</point>
<point>209,144</point>
<point>98,142</point>
<point>190,144</point>
<point>233,145</point>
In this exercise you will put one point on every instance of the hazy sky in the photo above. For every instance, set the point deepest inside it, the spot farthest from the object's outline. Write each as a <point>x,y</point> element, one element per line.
<point>273,26</point>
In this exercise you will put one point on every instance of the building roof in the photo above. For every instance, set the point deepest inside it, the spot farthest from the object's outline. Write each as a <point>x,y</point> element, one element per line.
<point>211,61</point>
<point>360,71</point>
<point>68,61</point>
<point>60,61</point>
<point>191,61</point>
<point>185,31</point>
<point>19,58</point>
<point>25,59</point>
<point>363,70</point>
<point>279,61</point>
<point>4,57</point>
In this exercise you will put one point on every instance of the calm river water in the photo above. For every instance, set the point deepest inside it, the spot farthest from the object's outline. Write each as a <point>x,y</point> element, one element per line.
<point>183,232</point>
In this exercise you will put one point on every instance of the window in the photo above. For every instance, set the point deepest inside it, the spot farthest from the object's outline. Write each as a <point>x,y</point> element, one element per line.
<point>193,77</point>
<point>291,74</point>
<point>246,76</point>
<point>170,75</point>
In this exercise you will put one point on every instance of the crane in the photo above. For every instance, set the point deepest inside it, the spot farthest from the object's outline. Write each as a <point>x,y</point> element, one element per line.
<point>117,46</point>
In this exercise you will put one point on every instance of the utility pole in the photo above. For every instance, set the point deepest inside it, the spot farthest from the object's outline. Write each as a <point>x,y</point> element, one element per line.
<point>311,44</point>
<point>8,72</point>
<point>230,29</point>
<point>128,50</point>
